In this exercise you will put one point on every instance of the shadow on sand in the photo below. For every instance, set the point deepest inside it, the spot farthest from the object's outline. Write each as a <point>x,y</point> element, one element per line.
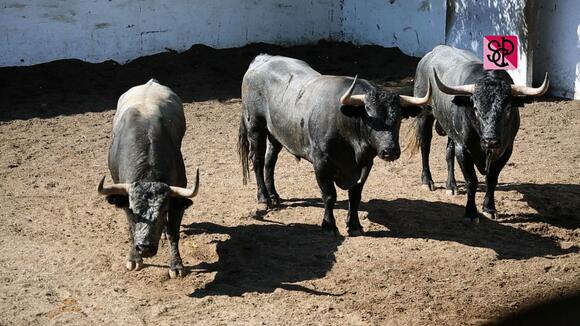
<point>405,218</point>
<point>66,87</point>
<point>264,257</point>
<point>556,204</point>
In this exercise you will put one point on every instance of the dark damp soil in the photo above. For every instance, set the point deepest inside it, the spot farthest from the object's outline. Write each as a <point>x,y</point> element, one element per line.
<point>63,247</point>
<point>198,74</point>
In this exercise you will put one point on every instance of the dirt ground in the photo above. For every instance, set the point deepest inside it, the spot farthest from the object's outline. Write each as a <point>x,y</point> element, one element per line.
<point>62,247</point>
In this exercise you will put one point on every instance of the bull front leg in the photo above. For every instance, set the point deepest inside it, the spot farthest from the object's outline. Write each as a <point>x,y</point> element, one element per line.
<point>468,169</point>
<point>134,259</point>
<point>328,191</point>
<point>450,157</point>
<point>174,217</point>
<point>491,178</point>
<point>352,221</point>
<point>425,131</point>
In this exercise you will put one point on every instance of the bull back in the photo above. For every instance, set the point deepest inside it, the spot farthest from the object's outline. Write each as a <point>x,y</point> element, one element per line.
<point>148,129</point>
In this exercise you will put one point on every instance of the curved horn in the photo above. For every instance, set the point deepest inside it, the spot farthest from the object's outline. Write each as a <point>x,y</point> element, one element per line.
<point>411,100</point>
<point>453,90</point>
<point>114,189</point>
<point>354,100</point>
<point>185,192</point>
<point>531,91</point>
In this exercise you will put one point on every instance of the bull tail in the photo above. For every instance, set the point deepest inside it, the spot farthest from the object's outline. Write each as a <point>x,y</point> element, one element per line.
<point>244,149</point>
<point>414,134</point>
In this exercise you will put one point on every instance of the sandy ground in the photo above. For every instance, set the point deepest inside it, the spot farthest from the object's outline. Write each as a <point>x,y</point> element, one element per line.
<point>62,247</point>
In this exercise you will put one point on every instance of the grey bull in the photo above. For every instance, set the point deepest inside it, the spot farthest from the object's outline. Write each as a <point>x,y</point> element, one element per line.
<point>148,171</point>
<point>339,124</point>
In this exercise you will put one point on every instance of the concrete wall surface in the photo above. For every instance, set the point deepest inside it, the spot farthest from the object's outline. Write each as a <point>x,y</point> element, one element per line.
<point>414,26</point>
<point>557,48</point>
<point>39,31</point>
<point>33,31</point>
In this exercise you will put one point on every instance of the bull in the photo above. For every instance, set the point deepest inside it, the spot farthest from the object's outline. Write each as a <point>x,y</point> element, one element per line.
<point>339,124</point>
<point>148,171</point>
<point>478,111</point>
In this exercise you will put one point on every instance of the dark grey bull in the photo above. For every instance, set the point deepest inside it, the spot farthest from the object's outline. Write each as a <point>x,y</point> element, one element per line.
<point>147,167</point>
<point>478,111</point>
<point>338,124</point>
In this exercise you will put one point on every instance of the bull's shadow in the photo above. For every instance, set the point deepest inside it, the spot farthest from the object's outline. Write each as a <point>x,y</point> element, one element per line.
<point>264,257</point>
<point>406,218</point>
<point>556,204</point>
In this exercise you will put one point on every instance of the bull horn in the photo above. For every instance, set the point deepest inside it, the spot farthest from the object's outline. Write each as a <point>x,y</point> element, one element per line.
<point>412,101</point>
<point>354,100</point>
<point>453,90</point>
<point>185,192</point>
<point>531,91</point>
<point>114,189</point>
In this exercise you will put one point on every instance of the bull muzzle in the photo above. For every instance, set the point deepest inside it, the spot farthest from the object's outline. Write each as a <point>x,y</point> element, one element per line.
<point>390,154</point>
<point>146,249</point>
<point>490,143</point>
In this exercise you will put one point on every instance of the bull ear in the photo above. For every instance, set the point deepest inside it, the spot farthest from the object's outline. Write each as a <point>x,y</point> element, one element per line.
<point>352,111</point>
<point>182,203</point>
<point>461,100</point>
<point>121,201</point>
<point>520,101</point>
<point>411,111</point>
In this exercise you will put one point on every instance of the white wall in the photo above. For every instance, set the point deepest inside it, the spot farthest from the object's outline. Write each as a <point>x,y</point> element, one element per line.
<point>39,31</point>
<point>415,26</point>
<point>34,31</point>
<point>557,48</point>
<point>468,21</point>
<point>95,30</point>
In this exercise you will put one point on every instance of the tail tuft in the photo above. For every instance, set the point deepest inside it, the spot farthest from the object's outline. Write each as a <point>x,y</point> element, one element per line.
<point>244,150</point>
<point>413,135</point>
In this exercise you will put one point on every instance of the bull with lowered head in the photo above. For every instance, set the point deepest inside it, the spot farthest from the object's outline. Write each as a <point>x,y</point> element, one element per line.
<point>339,124</point>
<point>148,171</point>
<point>478,111</point>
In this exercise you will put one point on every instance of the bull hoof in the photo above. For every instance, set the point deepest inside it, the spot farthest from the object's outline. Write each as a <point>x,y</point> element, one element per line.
<point>134,265</point>
<point>490,215</point>
<point>471,220</point>
<point>275,201</point>
<point>451,191</point>
<point>329,228</point>
<point>429,186</point>
<point>355,232</point>
<point>262,208</point>
<point>176,273</point>
<point>264,200</point>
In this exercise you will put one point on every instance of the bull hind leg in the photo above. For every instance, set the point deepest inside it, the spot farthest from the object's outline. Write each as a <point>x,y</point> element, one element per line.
<point>134,259</point>
<point>328,191</point>
<point>273,148</point>
<point>257,138</point>
<point>489,210</point>
<point>450,157</point>
<point>174,217</point>
<point>425,131</point>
